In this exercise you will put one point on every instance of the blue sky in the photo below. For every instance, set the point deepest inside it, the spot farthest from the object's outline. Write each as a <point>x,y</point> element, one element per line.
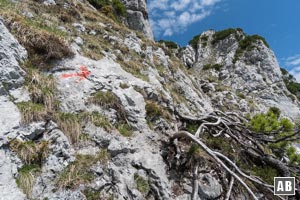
<point>276,20</point>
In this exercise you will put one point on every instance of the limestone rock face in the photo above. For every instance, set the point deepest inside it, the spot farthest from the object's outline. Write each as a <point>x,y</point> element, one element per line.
<point>137,16</point>
<point>253,74</point>
<point>11,53</point>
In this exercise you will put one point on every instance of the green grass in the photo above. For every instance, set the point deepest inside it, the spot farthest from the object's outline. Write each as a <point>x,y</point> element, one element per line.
<point>26,178</point>
<point>30,152</point>
<point>221,35</point>
<point>109,100</point>
<point>100,120</point>
<point>78,172</point>
<point>125,129</point>
<point>141,184</point>
<point>70,124</point>
<point>194,42</point>
<point>217,67</point>
<point>124,85</point>
<point>267,173</point>
<point>169,44</point>
<point>154,111</point>
<point>192,128</point>
<point>32,112</point>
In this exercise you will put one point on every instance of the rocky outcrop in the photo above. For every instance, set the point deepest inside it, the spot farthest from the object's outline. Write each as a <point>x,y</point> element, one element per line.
<point>137,16</point>
<point>11,53</point>
<point>250,76</point>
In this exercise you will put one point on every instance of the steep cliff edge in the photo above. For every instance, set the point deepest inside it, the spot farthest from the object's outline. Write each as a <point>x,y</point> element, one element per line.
<point>90,108</point>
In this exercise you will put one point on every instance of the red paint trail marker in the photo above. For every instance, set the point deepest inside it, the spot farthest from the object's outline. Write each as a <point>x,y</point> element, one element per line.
<point>83,74</point>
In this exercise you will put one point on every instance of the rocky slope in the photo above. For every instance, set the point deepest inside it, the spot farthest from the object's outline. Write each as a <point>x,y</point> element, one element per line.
<point>88,105</point>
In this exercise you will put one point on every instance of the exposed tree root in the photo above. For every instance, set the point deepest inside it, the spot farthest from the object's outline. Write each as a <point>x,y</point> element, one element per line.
<point>230,125</point>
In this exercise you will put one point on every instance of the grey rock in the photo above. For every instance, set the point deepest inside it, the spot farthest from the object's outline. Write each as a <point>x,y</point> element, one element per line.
<point>133,43</point>
<point>79,41</point>
<point>137,16</point>
<point>209,187</point>
<point>11,53</point>
<point>79,27</point>
<point>32,131</point>
<point>10,119</point>
<point>8,187</point>
<point>49,2</point>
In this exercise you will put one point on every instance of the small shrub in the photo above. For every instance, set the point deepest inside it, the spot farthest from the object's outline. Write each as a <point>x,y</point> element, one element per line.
<point>249,40</point>
<point>248,44</point>
<point>112,9</point>
<point>169,44</point>
<point>119,8</point>
<point>26,178</point>
<point>141,184</point>
<point>270,123</point>
<point>284,71</point>
<point>32,112</point>
<point>293,156</point>
<point>217,67</point>
<point>293,87</point>
<point>194,41</point>
<point>221,35</point>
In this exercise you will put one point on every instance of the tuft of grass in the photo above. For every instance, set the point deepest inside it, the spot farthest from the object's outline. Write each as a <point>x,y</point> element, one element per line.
<point>217,67</point>
<point>32,112</point>
<point>141,184</point>
<point>78,172</point>
<point>70,124</point>
<point>101,121</point>
<point>26,178</point>
<point>192,127</point>
<point>154,111</point>
<point>135,68</point>
<point>124,85</point>
<point>91,194</point>
<point>42,89</point>
<point>125,129</point>
<point>109,100</point>
<point>43,46</point>
<point>267,173</point>
<point>30,152</point>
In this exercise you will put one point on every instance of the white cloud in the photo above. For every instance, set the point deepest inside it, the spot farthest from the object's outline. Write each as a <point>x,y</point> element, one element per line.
<point>293,63</point>
<point>174,16</point>
<point>296,73</point>
<point>293,60</point>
